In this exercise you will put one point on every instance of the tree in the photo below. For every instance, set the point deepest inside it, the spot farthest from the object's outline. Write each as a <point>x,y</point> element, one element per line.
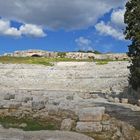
<point>132,32</point>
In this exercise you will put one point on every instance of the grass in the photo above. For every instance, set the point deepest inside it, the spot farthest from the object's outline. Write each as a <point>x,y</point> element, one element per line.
<point>31,124</point>
<point>46,61</point>
<point>37,60</point>
<point>106,61</point>
<point>102,62</point>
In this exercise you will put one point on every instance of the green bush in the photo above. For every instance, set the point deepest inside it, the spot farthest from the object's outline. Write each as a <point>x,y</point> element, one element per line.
<point>62,54</point>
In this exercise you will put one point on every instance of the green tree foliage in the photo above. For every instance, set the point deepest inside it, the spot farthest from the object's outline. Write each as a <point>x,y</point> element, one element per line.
<point>132,32</point>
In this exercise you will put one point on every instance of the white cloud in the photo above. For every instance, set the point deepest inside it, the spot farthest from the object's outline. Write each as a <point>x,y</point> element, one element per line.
<point>11,31</point>
<point>84,43</point>
<point>108,30</point>
<point>6,29</point>
<point>57,14</point>
<point>117,17</point>
<point>32,30</point>
<point>27,29</point>
<point>4,25</point>
<point>114,27</point>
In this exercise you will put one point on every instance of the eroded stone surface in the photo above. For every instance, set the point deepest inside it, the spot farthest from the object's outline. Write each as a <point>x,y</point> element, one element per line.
<point>12,134</point>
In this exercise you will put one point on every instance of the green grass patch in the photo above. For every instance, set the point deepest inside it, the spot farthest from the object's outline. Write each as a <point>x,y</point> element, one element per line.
<point>47,61</point>
<point>102,62</point>
<point>37,60</point>
<point>106,61</point>
<point>27,124</point>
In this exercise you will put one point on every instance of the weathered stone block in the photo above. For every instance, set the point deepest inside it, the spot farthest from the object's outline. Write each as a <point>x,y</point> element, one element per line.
<point>88,127</point>
<point>67,124</point>
<point>91,114</point>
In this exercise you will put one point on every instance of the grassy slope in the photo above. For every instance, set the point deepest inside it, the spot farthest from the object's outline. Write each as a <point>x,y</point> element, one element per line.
<point>45,61</point>
<point>36,60</point>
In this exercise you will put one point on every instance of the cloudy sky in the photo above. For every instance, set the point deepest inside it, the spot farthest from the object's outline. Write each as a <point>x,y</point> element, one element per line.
<point>62,25</point>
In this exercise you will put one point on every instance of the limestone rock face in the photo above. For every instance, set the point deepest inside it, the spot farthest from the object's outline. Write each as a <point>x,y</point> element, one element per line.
<point>91,114</point>
<point>66,76</point>
<point>89,127</point>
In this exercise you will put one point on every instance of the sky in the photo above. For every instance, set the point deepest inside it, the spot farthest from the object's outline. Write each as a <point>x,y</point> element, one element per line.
<point>62,25</point>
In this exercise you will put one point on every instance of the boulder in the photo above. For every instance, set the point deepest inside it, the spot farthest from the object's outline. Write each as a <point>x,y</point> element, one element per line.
<point>88,127</point>
<point>67,124</point>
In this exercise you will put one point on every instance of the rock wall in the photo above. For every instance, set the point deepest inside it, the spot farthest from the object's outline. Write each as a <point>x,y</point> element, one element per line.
<point>72,55</point>
<point>66,76</point>
<point>115,56</point>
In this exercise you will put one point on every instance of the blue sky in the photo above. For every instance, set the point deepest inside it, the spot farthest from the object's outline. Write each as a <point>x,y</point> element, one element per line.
<point>67,26</point>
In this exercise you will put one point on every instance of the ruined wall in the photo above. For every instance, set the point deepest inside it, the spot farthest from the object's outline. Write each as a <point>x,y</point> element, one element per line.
<point>72,55</point>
